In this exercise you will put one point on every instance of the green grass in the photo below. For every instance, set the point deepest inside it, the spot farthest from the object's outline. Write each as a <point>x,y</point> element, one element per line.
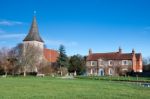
<point>117,78</point>
<point>54,88</point>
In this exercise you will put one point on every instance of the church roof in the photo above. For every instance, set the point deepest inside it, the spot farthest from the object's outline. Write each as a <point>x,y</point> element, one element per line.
<point>33,34</point>
<point>51,55</point>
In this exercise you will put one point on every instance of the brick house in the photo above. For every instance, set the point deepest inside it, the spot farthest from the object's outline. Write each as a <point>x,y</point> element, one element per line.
<point>113,63</point>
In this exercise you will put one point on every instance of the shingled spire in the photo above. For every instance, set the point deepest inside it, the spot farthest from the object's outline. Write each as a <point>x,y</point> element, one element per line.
<point>33,34</point>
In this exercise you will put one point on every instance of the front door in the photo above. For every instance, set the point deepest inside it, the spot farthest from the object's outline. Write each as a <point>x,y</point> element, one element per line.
<point>101,72</point>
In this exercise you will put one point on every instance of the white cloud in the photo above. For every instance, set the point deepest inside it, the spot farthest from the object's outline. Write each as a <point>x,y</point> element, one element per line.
<point>59,42</point>
<point>10,23</point>
<point>11,36</point>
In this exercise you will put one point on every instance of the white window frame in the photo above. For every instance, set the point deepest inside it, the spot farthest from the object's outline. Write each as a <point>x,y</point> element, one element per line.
<point>110,62</point>
<point>93,63</point>
<point>125,64</point>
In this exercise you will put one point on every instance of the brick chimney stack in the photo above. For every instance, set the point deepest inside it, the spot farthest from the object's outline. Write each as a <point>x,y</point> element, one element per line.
<point>133,51</point>
<point>90,51</point>
<point>134,61</point>
<point>120,50</point>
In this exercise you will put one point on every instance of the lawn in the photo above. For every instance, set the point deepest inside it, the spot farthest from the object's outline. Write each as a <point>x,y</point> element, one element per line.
<point>117,78</point>
<point>56,88</point>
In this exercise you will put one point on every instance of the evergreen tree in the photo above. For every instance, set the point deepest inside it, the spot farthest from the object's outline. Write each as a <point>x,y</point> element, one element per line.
<point>62,60</point>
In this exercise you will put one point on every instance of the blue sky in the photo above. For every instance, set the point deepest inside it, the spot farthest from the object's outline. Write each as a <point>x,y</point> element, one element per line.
<point>102,25</point>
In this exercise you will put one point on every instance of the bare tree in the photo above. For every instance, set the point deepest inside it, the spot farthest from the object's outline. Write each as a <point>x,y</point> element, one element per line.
<point>146,64</point>
<point>14,56</point>
<point>45,68</point>
<point>26,58</point>
<point>4,60</point>
<point>30,58</point>
<point>122,70</point>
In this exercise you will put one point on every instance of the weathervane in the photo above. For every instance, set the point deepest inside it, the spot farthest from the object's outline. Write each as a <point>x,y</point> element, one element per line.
<point>34,12</point>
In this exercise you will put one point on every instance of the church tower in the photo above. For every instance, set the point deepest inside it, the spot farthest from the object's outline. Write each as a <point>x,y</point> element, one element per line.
<point>33,39</point>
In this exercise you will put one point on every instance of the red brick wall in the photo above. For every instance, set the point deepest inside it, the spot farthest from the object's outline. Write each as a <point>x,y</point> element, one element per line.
<point>134,62</point>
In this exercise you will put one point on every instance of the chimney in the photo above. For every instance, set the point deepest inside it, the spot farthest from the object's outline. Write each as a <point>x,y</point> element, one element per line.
<point>133,51</point>
<point>134,61</point>
<point>120,50</point>
<point>90,51</point>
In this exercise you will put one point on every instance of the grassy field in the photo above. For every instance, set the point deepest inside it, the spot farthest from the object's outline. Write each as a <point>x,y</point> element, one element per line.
<point>116,78</point>
<point>56,88</point>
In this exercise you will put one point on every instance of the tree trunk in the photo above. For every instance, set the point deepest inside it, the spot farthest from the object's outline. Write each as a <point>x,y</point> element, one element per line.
<point>13,71</point>
<point>75,73</point>
<point>60,71</point>
<point>6,73</point>
<point>5,70</point>
<point>24,73</point>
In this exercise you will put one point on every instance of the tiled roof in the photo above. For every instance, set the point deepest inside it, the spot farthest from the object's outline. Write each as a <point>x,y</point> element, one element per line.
<point>51,55</point>
<point>138,56</point>
<point>111,56</point>
<point>33,34</point>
